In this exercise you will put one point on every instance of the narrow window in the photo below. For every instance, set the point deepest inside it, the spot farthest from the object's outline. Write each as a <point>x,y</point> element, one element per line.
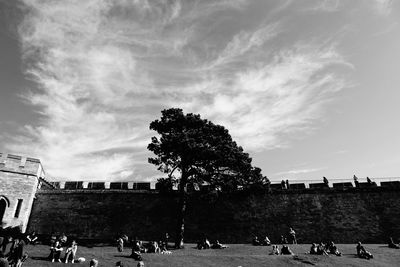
<point>19,204</point>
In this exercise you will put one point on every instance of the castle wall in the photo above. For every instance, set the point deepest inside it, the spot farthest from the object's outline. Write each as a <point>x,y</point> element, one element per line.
<point>344,215</point>
<point>18,183</point>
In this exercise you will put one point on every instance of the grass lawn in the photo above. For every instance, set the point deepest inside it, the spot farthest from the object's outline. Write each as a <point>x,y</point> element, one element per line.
<point>236,255</point>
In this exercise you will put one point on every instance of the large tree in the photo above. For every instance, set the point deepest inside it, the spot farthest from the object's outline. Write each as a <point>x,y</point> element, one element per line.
<point>191,149</point>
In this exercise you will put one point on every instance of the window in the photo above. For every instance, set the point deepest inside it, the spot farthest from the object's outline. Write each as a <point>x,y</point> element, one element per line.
<point>19,204</point>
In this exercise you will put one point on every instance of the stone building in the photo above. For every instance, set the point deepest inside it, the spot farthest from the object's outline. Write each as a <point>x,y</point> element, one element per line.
<point>20,178</point>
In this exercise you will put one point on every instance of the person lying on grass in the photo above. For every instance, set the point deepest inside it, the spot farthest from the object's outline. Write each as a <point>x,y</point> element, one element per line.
<point>362,252</point>
<point>218,245</point>
<point>392,244</point>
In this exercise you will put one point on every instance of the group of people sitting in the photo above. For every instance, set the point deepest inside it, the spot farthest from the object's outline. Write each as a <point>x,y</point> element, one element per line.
<point>285,250</point>
<point>264,242</point>
<point>139,247</point>
<point>204,243</point>
<point>12,247</point>
<point>59,244</point>
<point>325,249</point>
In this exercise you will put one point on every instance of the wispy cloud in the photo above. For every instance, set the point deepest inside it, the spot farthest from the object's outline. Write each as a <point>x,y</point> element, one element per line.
<point>106,69</point>
<point>299,171</point>
<point>383,7</point>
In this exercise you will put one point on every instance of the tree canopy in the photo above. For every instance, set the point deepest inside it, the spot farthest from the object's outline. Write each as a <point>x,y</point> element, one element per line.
<point>192,149</point>
<point>201,151</point>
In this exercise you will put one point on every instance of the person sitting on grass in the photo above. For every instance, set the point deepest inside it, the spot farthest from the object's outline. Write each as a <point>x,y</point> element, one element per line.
<point>266,241</point>
<point>138,247</point>
<point>392,244</point>
<point>63,240</point>
<point>362,252</point>
<point>153,247</point>
<point>275,250</point>
<point>136,251</point>
<point>120,244</point>
<point>285,250</point>
<point>119,264</point>
<point>55,252</point>
<point>32,238</point>
<point>204,244</point>
<point>140,264</point>
<point>70,253</point>
<point>93,263</point>
<point>332,249</point>
<point>321,249</point>
<point>17,255</point>
<point>255,241</point>
<point>313,249</point>
<point>3,260</point>
<point>218,245</point>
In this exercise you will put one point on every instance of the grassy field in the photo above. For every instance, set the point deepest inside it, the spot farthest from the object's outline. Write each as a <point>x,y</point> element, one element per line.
<point>236,255</point>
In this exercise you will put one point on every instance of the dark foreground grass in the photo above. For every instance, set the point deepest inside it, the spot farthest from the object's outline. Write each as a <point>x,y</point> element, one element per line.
<point>236,255</point>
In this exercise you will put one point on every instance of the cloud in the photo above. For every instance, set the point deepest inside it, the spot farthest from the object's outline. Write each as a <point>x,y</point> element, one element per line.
<point>299,171</point>
<point>105,70</point>
<point>383,7</point>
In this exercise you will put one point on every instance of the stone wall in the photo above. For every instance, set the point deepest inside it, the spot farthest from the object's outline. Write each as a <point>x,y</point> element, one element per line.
<point>344,215</point>
<point>19,179</point>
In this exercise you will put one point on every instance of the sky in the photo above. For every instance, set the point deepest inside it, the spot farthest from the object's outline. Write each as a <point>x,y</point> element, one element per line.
<point>307,88</point>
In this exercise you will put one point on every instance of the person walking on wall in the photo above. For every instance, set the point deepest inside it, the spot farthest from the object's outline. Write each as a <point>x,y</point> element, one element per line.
<point>292,235</point>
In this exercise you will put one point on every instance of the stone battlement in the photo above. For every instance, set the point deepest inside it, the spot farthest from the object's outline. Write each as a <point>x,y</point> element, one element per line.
<point>23,165</point>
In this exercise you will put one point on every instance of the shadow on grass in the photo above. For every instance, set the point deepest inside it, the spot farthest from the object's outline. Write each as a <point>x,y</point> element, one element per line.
<point>123,256</point>
<point>39,258</point>
<point>302,260</point>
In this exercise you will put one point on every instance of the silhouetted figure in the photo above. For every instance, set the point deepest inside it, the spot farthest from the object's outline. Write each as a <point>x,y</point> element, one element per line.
<point>285,250</point>
<point>287,184</point>
<point>326,182</point>
<point>283,184</point>
<point>255,241</point>
<point>355,181</point>
<point>370,182</point>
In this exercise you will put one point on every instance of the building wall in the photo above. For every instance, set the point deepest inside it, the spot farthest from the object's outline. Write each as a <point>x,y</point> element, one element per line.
<point>345,215</point>
<point>19,179</point>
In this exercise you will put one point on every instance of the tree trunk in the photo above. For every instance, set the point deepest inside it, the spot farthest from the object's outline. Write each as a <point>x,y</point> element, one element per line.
<point>180,227</point>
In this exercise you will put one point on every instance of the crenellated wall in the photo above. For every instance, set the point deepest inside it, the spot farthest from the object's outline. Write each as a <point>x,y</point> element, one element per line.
<point>345,215</point>
<point>19,180</point>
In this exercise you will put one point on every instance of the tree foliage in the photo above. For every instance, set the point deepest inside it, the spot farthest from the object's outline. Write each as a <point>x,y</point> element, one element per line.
<point>191,149</point>
<point>203,151</point>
